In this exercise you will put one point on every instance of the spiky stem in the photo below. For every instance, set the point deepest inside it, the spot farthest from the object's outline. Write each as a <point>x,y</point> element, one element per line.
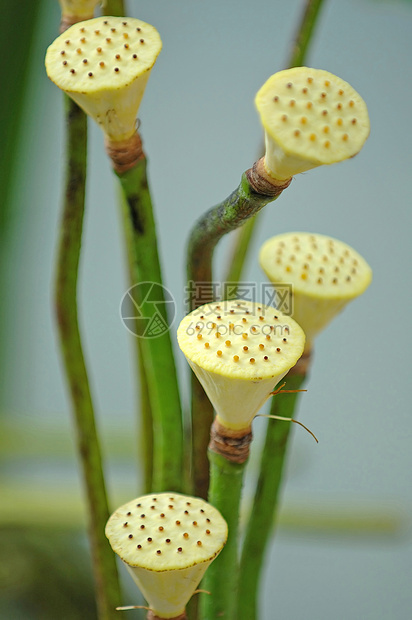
<point>156,350</point>
<point>264,504</point>
<point>104,564</point>
<point>254,192</point>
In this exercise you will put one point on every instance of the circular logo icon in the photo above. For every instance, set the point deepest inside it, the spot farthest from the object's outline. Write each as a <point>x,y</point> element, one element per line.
<point>147,309</point>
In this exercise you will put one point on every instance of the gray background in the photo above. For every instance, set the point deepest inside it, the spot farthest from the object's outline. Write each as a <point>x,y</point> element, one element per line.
<point>201,132</point>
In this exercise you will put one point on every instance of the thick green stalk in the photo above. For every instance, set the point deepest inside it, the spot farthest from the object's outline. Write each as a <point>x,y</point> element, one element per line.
<point>226,480</point>
<point>156,350</point>
<point>104,563</point>
<point>242,204</point>
<point>297,58</point>
<point>145,419</point>
<point>145,440</point>
<point>264,504</point>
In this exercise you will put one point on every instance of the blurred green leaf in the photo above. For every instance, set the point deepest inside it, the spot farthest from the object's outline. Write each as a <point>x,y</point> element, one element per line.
<point>15,45</point>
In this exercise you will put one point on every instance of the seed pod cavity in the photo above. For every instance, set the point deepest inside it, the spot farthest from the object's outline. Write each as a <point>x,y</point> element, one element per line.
<point>103,64</point>
<point>325,274</point>
<point>167,541</point>
<point>239,378</point>
<point>311,118</point>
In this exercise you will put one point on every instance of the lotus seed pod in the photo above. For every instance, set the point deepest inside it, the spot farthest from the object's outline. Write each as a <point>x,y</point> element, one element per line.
<point>325,273</point>
<point>239,350</point>
<point>103,64</point>
<point>310,118</point>
<point>167,541</point>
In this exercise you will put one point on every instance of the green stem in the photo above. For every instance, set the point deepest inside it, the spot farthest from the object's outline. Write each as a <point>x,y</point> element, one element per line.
<point>145,418</point>
<point>300,46</point>
<point>261,521</point>
<point>304,33</point>
<point>114,7</point>
<point>146,424</point>
<point>202,419</point>
<point>226,480</point>
<point>145,441</point>
<point>242,204</point>
<point>240,249</point>
<point>156,350</point>
<point>104,563</point>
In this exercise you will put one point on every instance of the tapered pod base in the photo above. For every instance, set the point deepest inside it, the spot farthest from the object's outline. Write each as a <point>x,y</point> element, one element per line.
<point>167,541</point>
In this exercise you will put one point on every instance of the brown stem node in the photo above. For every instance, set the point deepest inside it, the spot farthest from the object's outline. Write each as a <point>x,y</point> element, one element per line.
<point>152,616</point>
<point>233,445</point>
<point>263,183</point>
<point>302,365</point>
<point>69,20</point>
<point>125,154</point>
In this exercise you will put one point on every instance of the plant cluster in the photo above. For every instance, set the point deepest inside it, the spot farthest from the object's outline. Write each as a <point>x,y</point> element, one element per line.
<point>239,350</point>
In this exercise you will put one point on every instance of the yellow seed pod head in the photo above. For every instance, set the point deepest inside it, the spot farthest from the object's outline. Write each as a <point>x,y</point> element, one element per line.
<point>310,118</point>
<point>239,351</point>
<point>325,274</point>
<point>167,541</point>
<point>83,9</point>
<point>103,64</point>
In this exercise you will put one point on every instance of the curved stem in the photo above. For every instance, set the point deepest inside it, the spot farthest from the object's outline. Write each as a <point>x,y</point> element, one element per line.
<point>241,205</point>
<point>104,563</point>
<point>297,58</point>
<point>154,337</point>
<point>264,504</point>
<point>304,33</point>
<point>226,480</point>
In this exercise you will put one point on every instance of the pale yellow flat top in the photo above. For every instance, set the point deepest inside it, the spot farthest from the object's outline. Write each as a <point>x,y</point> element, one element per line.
<point>102,53</point>
<point>166,531</point>
<point>313,114</point>
<point>241,339</point>
<point>316,265</point>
